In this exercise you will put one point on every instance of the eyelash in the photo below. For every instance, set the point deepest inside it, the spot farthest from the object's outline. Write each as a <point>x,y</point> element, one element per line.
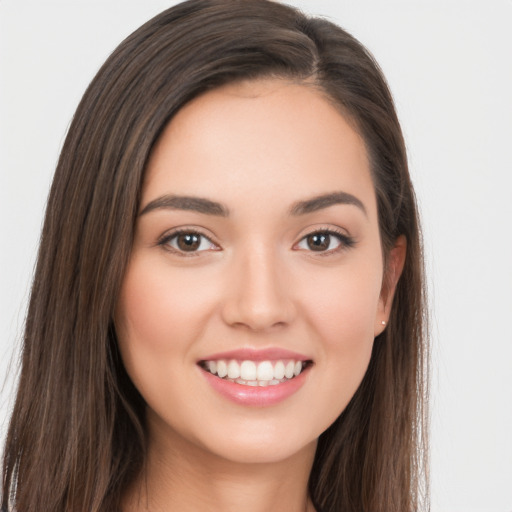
<point>346,242</point>
<point>166,239</point>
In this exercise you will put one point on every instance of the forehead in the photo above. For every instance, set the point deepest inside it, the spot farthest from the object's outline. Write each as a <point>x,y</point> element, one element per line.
<point>260,139</point>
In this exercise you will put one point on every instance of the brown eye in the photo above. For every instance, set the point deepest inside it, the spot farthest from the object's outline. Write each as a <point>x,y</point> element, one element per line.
<point>318,241</point>
<point>325,241</point>
<point>188,241</point>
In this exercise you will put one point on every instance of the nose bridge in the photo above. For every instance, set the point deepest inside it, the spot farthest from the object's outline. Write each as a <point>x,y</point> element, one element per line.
<point>257,296</point>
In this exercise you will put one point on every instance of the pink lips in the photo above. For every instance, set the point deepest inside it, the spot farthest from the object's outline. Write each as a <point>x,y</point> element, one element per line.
<point>270,354</point>
<point>259,396</point>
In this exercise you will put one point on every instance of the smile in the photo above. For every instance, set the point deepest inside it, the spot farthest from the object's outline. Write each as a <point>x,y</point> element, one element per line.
<point>255,373</point>
<point>259,378</point>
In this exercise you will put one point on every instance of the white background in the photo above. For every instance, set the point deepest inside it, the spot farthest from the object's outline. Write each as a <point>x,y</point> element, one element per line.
<point>449,65</point>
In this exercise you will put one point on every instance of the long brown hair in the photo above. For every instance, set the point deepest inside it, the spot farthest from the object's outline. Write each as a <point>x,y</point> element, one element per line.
<point>77,434</point>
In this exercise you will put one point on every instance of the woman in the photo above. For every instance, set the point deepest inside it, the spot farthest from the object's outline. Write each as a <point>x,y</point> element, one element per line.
<point>227,311</point>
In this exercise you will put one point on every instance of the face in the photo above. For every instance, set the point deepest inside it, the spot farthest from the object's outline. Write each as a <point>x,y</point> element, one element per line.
<point>252,298</point>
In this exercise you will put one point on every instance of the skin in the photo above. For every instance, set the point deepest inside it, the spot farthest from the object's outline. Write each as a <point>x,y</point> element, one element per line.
<point>257,148</point>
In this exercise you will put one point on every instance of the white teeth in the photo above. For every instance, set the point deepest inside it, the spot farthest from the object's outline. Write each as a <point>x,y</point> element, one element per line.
<point>278,370</point>
<point>265,371</point>
<point>248,370</point>
<point>251,373</point>
<point>288,371</point>
<point>222,368</point>
<point>233,370</point>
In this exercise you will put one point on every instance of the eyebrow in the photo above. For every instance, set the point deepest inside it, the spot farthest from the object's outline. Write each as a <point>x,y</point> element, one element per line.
<point>324,201</point>
<point>209,207</point>
<point>196,204</point>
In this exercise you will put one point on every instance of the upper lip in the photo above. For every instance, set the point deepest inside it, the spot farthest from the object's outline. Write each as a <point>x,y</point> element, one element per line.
<point>252,354</point>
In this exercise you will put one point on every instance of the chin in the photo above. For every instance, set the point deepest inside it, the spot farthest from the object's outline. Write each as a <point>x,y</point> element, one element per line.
<point>258,451</point>
<point>258,442</point>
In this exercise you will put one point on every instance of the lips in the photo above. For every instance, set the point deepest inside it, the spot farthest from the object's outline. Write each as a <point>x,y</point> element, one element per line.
<point>256,377</point>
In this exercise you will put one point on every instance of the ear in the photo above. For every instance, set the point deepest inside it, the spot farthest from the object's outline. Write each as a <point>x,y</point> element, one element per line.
<point>392,273</point>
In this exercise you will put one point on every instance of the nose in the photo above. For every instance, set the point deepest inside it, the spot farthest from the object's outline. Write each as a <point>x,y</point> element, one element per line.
<point>258,296</point>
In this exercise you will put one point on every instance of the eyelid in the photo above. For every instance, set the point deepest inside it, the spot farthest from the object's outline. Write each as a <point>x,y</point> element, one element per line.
<point>346,240</point>
<point>164,240</point>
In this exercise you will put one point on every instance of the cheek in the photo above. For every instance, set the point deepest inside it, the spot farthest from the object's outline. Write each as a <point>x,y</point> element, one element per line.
<point>340,312</point>
<point>157,318</point>
<point>145,313</point>
<point>159,310</point>
<point>343,305</point>
<point>342,317</point>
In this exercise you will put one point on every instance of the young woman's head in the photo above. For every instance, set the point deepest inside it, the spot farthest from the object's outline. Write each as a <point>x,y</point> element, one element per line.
<point>232,200</point>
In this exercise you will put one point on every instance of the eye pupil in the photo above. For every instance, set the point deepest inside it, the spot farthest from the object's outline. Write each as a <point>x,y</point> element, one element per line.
<point>188,241</point>
<point>318,241</point>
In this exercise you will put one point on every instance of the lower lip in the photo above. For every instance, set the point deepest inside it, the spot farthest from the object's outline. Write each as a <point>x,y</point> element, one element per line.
<point>258,396</point>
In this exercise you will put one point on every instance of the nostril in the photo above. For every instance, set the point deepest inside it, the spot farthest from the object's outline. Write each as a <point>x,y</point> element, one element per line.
<point>257,317</point>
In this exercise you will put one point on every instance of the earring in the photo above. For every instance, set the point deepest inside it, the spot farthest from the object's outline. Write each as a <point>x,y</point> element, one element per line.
<point>383,322</point>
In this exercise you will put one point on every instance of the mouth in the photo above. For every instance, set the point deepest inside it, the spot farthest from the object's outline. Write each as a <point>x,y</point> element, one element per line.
<point>256,378</point>
<point>255,373</point>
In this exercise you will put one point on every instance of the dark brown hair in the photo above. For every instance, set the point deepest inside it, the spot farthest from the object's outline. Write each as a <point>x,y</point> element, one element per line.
<point>76,437</point>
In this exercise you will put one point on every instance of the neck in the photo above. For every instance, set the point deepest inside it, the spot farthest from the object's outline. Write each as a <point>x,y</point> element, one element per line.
<point>181,476</point>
